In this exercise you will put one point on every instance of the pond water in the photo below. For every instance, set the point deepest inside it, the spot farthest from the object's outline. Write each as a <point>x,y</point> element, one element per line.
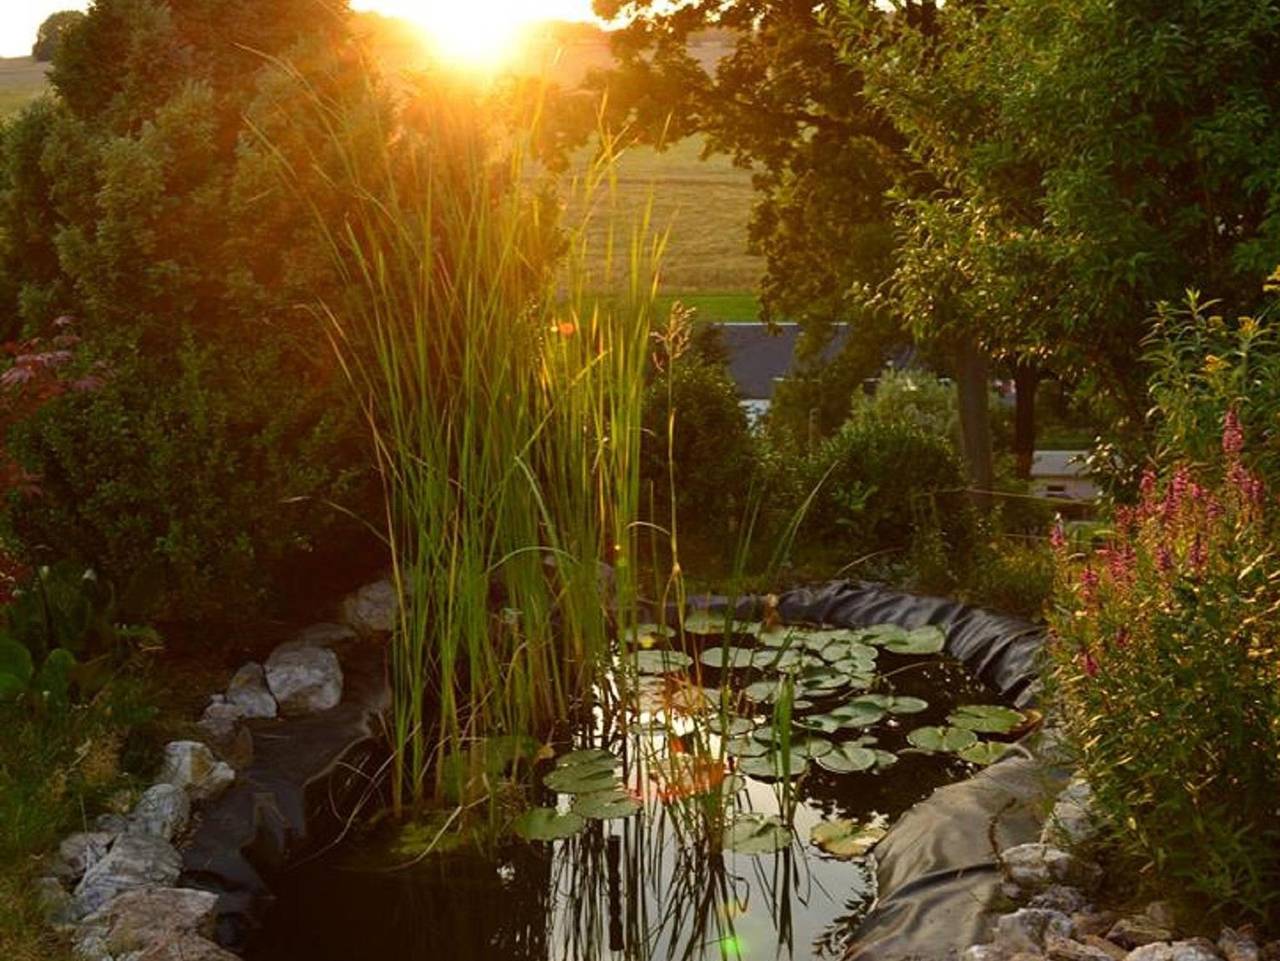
<point>680,879</point>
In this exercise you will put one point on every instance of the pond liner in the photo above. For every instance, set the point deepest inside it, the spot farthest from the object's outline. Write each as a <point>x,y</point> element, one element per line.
<point>306,773</point>
<point>937,869</point>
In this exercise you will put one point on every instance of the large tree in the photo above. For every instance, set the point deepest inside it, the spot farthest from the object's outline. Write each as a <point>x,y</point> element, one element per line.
<point>49,35</point>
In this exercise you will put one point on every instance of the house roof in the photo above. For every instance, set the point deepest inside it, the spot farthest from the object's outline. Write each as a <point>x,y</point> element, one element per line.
<point>760,354</point>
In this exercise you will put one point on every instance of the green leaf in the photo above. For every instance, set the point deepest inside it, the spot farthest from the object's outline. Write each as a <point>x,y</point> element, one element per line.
<point>548,824</point>
<point>730,658</point>
<point>885,759</point>
<point>11,688</point>
<point>824,723</point>
<point>763,692</point>
<point>705,622</point>
<point>583,772</point>
<point>774,766</point>
<point>859,712</point>
<point>921,641</point>
<point>769,659</point>
<point>646,635</point>
<point>54,678</point>
<point>848,759</point>
<point>729,726</point>
<point>15,660</point>
<point>811,747</point>
<point>606,805</point>
<point>658,661</point>
<point>986,718</point>
<point>907,705</point>
<point>942,739</point>
<point>882,634</point>
<point>746,747</point>
<point>756,834</point>
<point>845,839</point>
<point>594,756</point>
<point>985,752</point>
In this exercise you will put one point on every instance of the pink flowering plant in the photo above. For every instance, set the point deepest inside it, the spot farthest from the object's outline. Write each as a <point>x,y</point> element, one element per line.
<point>1166,677</point>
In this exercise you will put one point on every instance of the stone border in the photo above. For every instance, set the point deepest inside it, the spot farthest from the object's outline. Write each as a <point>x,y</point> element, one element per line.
<point>126,890</point>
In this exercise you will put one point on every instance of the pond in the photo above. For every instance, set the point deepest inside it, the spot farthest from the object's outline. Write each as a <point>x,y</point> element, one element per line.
<point>717,802</point>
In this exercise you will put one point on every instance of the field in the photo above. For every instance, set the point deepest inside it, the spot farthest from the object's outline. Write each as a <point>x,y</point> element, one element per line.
<point>21,79</point>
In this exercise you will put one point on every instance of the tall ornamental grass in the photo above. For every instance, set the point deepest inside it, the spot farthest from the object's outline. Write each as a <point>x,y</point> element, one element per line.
<point>1166,671</point>
<point>503,405</point>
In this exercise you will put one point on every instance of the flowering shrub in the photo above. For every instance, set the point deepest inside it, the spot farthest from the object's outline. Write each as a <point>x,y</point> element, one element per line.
<point>1166,673</point>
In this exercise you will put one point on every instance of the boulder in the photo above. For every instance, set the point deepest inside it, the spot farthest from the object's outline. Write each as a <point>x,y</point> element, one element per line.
<point>54,901</point>
<point>111,823</point>
<point>1238,945</point>
<point>372,609</point>
<point>1058,948</point>
<point>984,952</point>
<point>1034,867</point>
<point>134,861</point>
<point>1174,951</point>
<point>191,766</point>
<point>305,679</point>
<point>1059,897</point>
<point>1102,944</point>
<point>163,812</point>
<point>1136,931</point>
<point>248,691</point>
<point>139,922</point>
<point>79,852</point>
<point>1073,821</point>
<point>325,635</point>
<point>229,738</point>
<point>1027,928</point>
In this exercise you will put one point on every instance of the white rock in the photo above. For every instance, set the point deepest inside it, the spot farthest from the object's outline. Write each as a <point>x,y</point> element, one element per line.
<point>984,952</point>
<point>248,691</point>
<point>1058,948</point>
<point>191,766</point>
<point>79,852</point>
<point>1238,946</point>
<point>1059,897</point>
<point>1026,928</point>
<point>134,861</point>
<point>1172,951</point>
<point>163,812</point>
<point>1034,867</point>
<point>1073,821</point>
<point>110,823</point>
<point>139,922</point>
<point>372,609</point>
<point>304,679</point>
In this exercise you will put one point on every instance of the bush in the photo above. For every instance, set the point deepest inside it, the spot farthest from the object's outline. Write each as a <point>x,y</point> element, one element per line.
<point>1013,578</point>
<point>914,397</point>
<point>710,453</point>
<point>1165,660</point>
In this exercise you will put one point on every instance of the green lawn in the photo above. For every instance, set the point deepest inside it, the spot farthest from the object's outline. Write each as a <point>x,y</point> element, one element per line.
<point>726,308</point>
<point>21,79</point>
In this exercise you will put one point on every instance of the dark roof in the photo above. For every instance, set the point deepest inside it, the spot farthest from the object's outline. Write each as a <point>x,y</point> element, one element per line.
<point>760,353</point>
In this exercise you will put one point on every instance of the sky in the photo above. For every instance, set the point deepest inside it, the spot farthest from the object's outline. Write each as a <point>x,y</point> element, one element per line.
<point>19,19</point>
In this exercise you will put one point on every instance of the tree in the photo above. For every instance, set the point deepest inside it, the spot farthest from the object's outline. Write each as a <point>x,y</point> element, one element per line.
<point>51,32</point>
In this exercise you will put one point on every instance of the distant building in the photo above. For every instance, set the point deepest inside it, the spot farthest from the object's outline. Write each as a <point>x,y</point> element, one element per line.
<point>760,355</point>
<point>1061,474</point>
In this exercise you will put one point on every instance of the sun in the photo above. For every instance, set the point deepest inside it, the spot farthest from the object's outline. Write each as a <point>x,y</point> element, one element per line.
<point>478,34</point>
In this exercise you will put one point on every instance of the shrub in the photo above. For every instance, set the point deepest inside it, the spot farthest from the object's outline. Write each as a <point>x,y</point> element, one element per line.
<point>1165,661</point>
<point>1013,577</point>
<point>710,451</point>
<point>914,397</point>
<point>881,480</point>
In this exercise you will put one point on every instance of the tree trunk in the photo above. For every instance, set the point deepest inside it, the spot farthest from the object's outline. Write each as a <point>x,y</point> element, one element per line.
<point>1026,378</point>
<point>973,384</point>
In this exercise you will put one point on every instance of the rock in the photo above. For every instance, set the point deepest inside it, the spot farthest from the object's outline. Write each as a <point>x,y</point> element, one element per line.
<point>1034,867</point>
<point>226,735</point>
<point>134,861</point>
<point>304,679</point>
<point>984,952</point>
<point>163,812</point>
<point>140,921</point>
<point>184,947</point>
<point>1073,821</point>
<point>1238,946</point>
<point>1058,948</point>
<point>79,852</point>
<point>325,635</point>
<point>1094,922</point>
<point>111,823</point>
<point>1058,897</point>
<point>54,901</point>
<point>247,690</point>
<point>1175,951</point>
<point>1102,944</point>
<point>1137,931</point>
<point>372,609</point>
<point>1026,928</point>
<point>191,766</point>
<point>1163,914</point>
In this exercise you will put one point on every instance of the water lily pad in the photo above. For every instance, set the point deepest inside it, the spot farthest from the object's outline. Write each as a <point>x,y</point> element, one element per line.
<point>729,726</point>
<point>763,692</point>
<point>780,637</point>
<point>772,659</point>
<point>921,641</point>
<point>645,635</point>
<point>986,718</point>
<point>882,634</point>
<point>824,723</point>
<point>756,834</point>
<point>811,747</point>
<point>746,747</point>
<point>907,705</point>
<point>858,713</point>
<point>727,658</point>
<point>596,757</point>
<point>848,759</point>
<point>844,838</point>
<point>774,765</point>
<point>548,824</point>
<point>705,622</point>
<point>581,779</point>
<point>942,739</point>
<point>606,805</point>
<point>862,656</point>
<point>821,679</point>
<point>984,752</point>
<point>658,661</point>
<point>885,759</point>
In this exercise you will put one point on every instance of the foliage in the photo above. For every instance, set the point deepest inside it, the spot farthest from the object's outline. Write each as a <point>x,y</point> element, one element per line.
<point>696,443</point>
<point>49,36</point>
<point>1012,576</point>
<point>1165,660</point>
<point>141,202</point>
<point>914,397</point>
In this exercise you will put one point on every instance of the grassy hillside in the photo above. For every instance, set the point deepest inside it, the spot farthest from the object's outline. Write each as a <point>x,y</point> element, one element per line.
<point>21,78</point>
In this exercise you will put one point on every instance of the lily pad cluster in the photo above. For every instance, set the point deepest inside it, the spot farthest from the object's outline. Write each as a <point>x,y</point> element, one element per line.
<point>960,735</point>
<point>591,778</point>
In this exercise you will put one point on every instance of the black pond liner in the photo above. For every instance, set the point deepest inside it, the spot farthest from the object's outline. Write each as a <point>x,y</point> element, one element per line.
<point>937,867</point>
